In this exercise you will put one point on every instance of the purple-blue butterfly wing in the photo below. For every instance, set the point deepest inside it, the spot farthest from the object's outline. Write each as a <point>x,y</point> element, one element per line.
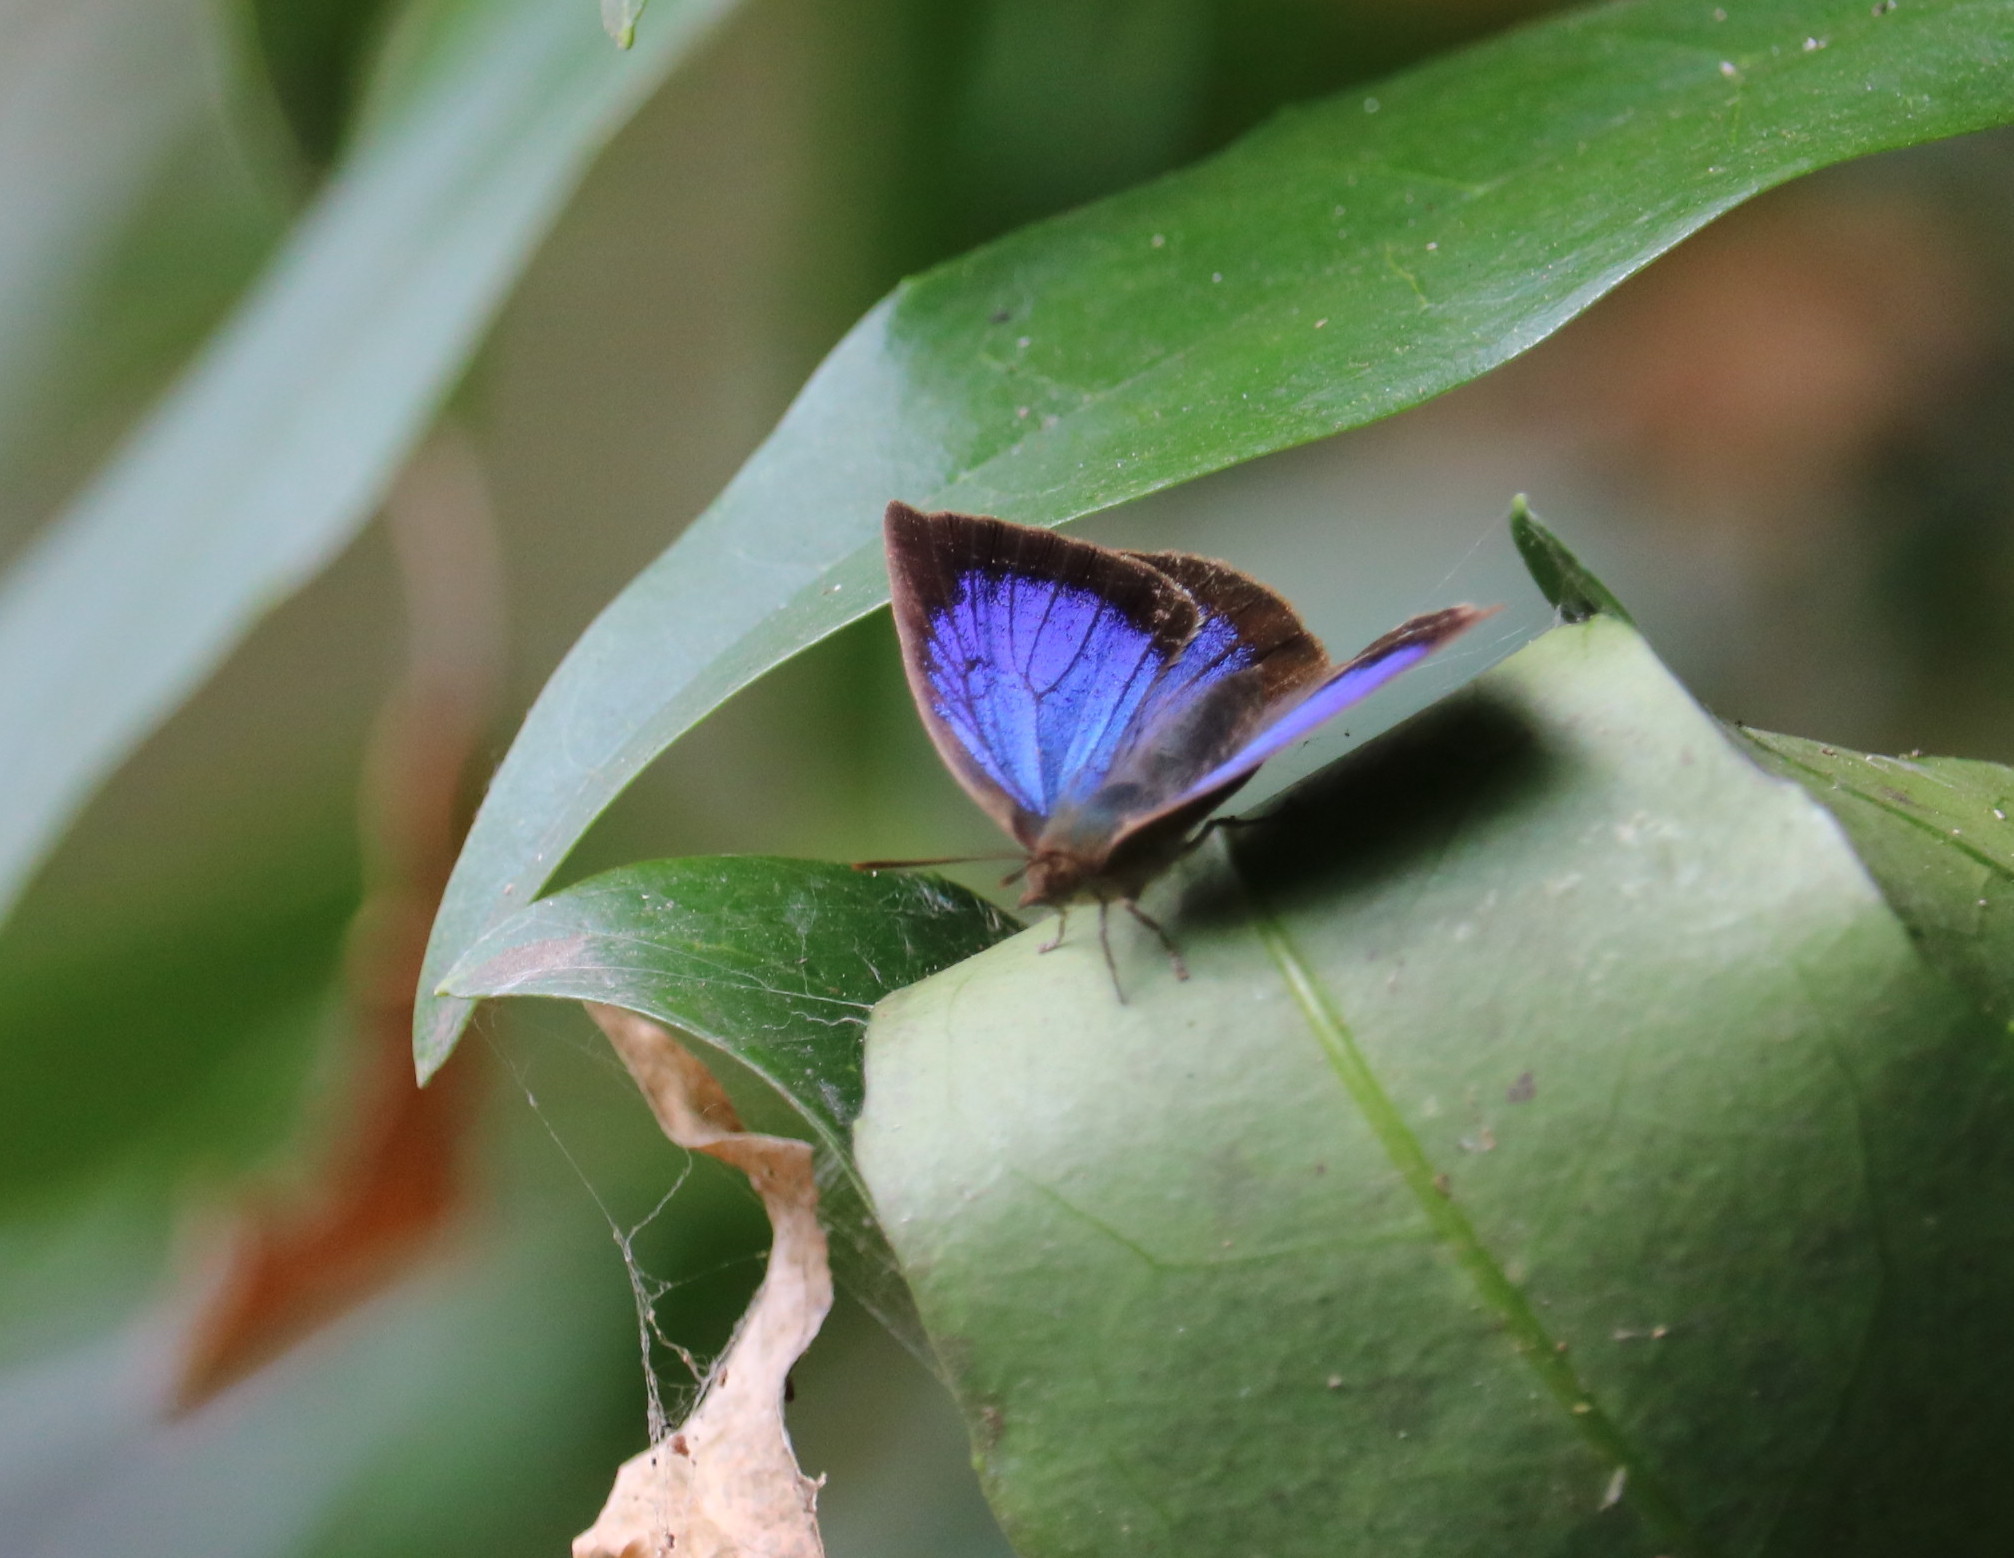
<point>1038,679</point>
<point>1030,654</point>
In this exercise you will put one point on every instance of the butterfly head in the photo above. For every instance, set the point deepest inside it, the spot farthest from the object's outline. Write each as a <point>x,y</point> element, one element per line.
<point>1104,849</point>
<point>1068,859</point>
<point>1053,878</point>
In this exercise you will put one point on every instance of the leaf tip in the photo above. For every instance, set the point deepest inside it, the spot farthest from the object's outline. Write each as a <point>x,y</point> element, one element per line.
<point>1561,577</point>
<point>618,20</point>
<point>437,1023</point>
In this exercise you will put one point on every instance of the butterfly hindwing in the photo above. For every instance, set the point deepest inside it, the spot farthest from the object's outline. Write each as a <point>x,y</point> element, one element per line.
<point>1300,712</point>
<point>1250,654</point>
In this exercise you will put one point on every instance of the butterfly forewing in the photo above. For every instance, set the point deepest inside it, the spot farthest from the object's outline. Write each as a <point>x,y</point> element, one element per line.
<point>1249,655</point>
<point>1029,654</point>
<point>1298,714</point>
<point>1266,629</point>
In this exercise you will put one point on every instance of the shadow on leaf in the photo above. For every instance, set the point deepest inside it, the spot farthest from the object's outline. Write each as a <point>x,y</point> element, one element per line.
<point>1384,811</point>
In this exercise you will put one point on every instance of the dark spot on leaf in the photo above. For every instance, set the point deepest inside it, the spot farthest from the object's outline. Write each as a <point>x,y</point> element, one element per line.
<point>1523,1090</point>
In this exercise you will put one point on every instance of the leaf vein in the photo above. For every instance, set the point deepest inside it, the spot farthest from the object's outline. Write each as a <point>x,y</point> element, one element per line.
<point>1452,1226</point>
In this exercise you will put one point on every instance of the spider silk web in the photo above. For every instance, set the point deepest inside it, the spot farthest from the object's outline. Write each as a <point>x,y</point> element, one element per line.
<point>673,1374</point>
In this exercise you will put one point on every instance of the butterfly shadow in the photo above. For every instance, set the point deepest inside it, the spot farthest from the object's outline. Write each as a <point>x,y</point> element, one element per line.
<point>1384,811</point>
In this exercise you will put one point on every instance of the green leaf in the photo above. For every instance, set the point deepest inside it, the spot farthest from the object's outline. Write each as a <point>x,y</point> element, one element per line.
<point>1934,834</point>
<point>189,1046</point>
<point>1561,577</point>
<point>278,441</point>
<point>107,110</point>
<point>773,966</point>
<point>153,1042</point>
<point>1349,259</point>
<point>775,962</point>
<point>1560,1147</point>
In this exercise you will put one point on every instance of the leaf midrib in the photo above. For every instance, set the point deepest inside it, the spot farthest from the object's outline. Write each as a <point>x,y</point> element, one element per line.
<point>1451,1226</point>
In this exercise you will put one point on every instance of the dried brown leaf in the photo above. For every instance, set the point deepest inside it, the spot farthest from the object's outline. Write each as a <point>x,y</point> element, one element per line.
<point>726,1484</point>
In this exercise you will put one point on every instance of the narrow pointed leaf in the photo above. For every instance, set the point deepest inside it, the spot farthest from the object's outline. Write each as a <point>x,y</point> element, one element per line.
<point>1560,1146</point>
<point>1349,259</point>
<point>1561,577</point>
<point>278,441</point>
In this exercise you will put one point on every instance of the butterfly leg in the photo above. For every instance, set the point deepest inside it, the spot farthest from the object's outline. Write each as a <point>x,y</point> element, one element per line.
<point>1105,941</point>
<point>1226,823</point>
<point>1167,942</point>
<point>1062,924</point>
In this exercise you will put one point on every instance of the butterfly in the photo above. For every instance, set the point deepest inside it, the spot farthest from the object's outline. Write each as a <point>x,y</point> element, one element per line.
<point>1100,703</point>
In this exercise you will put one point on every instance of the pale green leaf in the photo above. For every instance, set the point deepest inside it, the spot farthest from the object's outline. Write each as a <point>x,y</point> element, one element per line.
<point>278,441</point>
<point>1560,1147</point>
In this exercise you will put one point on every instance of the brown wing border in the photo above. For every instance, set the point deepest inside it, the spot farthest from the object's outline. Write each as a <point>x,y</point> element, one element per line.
<point>1285,654</point>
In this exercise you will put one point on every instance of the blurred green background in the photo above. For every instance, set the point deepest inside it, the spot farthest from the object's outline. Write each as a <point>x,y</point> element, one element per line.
<point>1784,445</point>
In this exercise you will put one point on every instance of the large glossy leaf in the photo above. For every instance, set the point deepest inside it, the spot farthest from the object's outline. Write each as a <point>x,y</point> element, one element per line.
<point>278,441</point>
<point>1345,261</point>
<point>773,965</point>
<point>1560,1147</point>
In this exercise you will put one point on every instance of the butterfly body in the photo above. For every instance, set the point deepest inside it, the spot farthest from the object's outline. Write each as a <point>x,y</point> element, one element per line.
<point>1100,703</point>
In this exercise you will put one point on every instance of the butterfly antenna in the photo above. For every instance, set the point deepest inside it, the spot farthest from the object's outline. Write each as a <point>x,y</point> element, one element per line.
<point>935,860</point>
<point>1174,952</point>
<point>1105,941</point>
